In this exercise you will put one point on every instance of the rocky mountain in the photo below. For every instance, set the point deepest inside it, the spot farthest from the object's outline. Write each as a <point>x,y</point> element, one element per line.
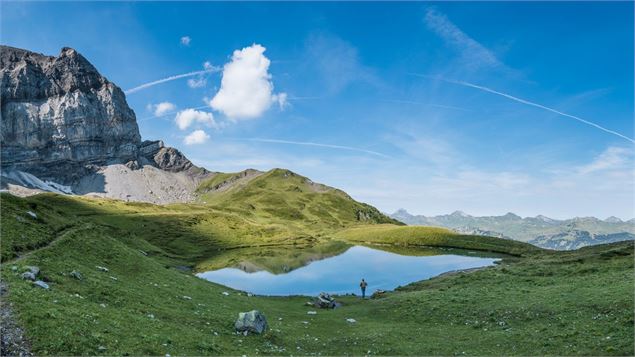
<point>66,128</point>
<point>540,230</point>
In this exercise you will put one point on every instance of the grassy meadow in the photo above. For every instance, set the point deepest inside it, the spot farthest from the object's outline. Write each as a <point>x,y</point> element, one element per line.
<point>535,302</point>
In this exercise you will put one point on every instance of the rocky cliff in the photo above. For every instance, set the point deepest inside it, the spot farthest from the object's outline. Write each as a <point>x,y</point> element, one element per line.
<point>63,123</point>
<point>59,115</point>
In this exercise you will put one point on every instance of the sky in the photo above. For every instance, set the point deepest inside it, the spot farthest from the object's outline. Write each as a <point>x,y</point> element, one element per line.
<point>486,108</point>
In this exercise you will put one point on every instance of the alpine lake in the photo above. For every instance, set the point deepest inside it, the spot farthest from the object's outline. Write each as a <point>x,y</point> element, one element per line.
<point>333,267</point>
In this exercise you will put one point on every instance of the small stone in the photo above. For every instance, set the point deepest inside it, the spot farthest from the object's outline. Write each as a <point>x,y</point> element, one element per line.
<point>311,312</point>
<point>77,275</point>
<point>14,268</point>
<point>187,297</point>
<point>225,293</point>
<point>33,269</point>
<point>28,276</point>
<point>102,305</point>
<point>101,268</point>
<point>41,284</point>
<point>151,316</point>
<point>351,320</point>
<point>113,278</point>
<point>101,348</point>
<point>32,214</point>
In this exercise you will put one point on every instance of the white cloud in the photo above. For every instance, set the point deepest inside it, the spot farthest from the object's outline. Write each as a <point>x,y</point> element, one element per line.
<point>612,158</point>
<point>208,66</point>
<point>474,54</point>
<point>337,62</point>
<point>196,137</point>
<point>196,83</point>
<point>281,99</point>
<point>246,89</point>
<point>185,118</point>
<point>161,108</point>
<point>185,40</point>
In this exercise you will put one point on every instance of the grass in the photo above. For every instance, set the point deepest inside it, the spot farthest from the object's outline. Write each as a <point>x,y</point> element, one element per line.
<point>541,303</point>
<point>432,237</point>
<point>284,197</point>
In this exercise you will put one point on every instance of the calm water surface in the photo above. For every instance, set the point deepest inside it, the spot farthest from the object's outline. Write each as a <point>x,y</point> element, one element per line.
<point>341,274</point>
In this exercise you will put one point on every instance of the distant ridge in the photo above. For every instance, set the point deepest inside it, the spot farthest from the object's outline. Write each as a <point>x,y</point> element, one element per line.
<point>542,231</point>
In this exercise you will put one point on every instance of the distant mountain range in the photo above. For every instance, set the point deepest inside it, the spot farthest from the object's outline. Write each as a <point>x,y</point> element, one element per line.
<point>540,230</point>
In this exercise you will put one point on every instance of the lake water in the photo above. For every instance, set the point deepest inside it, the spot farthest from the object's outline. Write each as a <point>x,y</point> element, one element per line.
<point>341,274</point>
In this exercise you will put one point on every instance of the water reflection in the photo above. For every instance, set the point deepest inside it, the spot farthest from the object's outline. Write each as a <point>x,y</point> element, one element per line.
<point>335,268</point>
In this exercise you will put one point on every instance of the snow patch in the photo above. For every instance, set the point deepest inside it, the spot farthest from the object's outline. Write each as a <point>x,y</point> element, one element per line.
<point>28,180</point>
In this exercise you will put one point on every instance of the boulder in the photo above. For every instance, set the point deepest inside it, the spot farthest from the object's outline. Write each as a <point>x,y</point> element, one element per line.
<point>28,276</point>
<point>253,321</point>
<point>378,293</point>
<point>33,269</point>
<point>325,301</point>
<point>77,275</point>
<point>41,284</point>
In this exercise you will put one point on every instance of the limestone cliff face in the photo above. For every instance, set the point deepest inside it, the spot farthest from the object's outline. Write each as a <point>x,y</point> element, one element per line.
<point>62,120</point>
<point>59,114</point>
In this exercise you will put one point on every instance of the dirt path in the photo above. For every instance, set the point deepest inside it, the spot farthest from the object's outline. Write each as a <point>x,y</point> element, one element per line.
<point>12,341</point>
<point>58,236</point>
<point>12,336</point>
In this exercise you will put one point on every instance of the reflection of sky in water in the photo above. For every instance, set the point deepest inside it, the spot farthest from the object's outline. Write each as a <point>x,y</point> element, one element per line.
<point>341,274</point>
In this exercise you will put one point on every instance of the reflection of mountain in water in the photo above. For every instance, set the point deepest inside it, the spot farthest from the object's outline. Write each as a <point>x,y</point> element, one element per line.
<point>276,260</point>
<point>284,259</point>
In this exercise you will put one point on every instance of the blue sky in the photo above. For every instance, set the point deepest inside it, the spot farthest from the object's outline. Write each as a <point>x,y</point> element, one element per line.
<point>378,98</point>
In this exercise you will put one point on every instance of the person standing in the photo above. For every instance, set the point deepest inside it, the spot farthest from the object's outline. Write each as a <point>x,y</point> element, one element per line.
<point>363,285</point>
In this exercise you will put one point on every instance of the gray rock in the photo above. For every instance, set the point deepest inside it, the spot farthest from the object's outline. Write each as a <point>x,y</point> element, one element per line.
<point>33,269</point>
<point>253,321</point>
<point>41,284</point>
<point>77,275</point>
<point>28,276</point>
<point>59,113</point>
<point>325,301</point>
<point>61,120</point>
<point>378,293</point>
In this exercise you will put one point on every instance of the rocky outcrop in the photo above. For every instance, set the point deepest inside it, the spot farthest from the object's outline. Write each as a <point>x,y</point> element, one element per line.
<point>64,126</point>
<point>59,115</point>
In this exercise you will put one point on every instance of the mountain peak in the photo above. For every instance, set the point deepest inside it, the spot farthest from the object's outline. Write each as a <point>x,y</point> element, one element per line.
<point>613,219</point>
<point>545,218</point>
<point>459,214</point>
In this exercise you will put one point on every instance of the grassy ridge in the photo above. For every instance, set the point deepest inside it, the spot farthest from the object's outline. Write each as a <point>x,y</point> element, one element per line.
<point>432,237</point>
<point>285,197</point>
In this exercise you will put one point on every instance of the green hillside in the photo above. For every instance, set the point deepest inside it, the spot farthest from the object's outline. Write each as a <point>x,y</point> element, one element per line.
<point>544,302</point>
<point>281,196</point>
<point>432,237</point>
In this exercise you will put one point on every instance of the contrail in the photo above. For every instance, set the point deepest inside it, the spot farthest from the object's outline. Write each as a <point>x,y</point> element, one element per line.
<point>349,148</point>
<point>426,104</point>
<point>171,78</point>
<point>520,100</point>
